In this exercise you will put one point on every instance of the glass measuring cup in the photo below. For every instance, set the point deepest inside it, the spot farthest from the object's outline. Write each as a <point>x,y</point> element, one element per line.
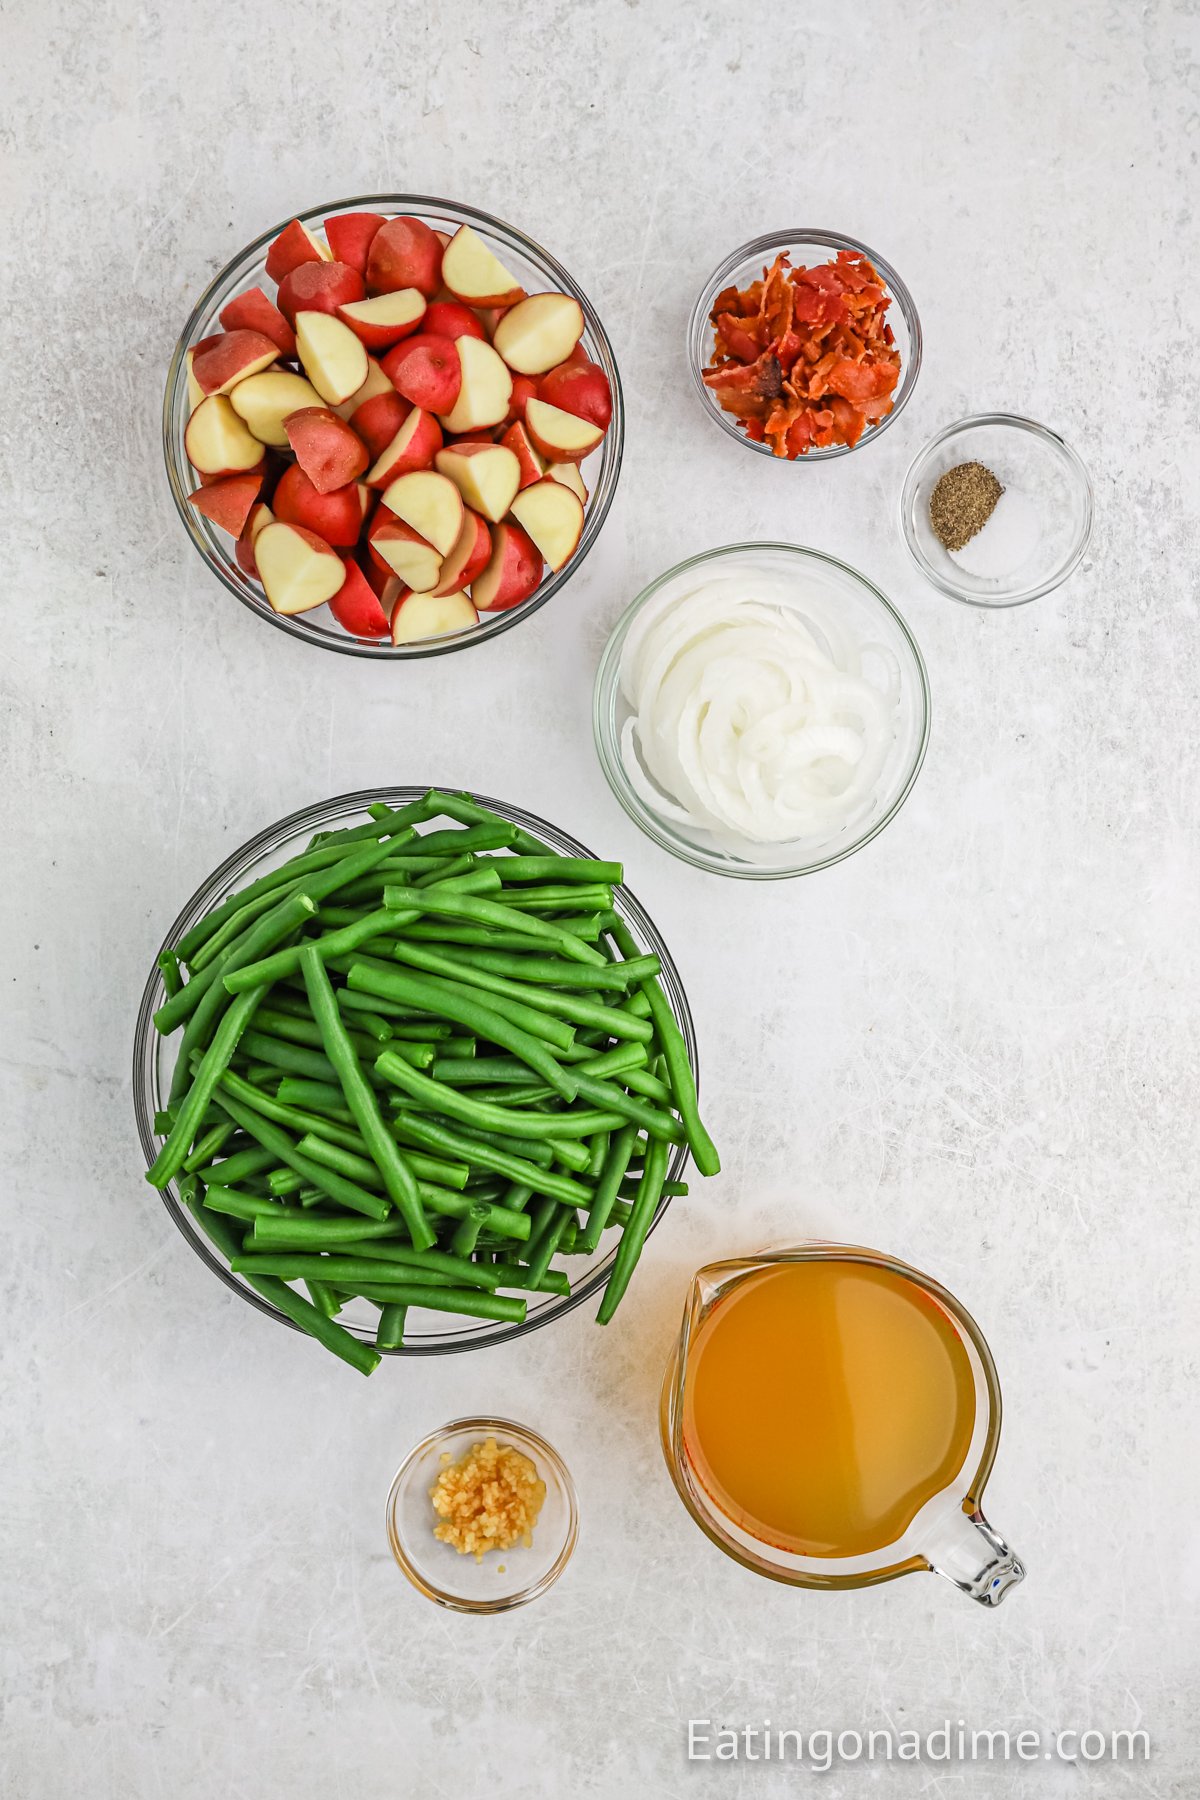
<point>948,1534</point>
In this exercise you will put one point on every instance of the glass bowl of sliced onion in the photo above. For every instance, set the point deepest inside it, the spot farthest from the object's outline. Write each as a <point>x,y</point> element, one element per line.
<point>761,711</point>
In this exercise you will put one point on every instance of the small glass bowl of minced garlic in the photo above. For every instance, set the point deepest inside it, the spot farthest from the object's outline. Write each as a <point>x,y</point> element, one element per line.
<point>997,510</point>
<point>482,1515</point>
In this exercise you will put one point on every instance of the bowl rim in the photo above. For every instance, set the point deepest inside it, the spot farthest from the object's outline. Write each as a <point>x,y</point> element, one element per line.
<point>524,1437</point>
<point>599,502</point>
<point>241,862</point>
<point>1014,422</point>
<point>607,683</point>
<point>772,242</point>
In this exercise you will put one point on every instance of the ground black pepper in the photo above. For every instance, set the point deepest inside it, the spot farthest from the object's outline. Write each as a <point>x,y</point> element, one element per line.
<point>962,503</point>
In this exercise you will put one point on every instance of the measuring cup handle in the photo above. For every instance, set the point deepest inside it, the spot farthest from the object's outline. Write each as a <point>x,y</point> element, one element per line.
<point>968,1552</point>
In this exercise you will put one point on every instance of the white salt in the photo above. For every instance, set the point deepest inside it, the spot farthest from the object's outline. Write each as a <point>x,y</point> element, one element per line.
<point>1008,540</point>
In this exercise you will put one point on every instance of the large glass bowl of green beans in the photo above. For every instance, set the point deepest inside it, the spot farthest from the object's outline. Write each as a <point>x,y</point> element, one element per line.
<point>415,1073</point>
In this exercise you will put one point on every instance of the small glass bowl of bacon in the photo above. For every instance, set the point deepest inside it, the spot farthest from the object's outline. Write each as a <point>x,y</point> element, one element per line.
<point>804,345</point>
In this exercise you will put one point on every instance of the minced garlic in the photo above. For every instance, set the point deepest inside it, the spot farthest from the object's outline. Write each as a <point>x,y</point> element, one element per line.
<point>488,1500</point>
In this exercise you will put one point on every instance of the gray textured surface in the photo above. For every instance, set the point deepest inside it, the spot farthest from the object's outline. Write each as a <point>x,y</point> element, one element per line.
<point>974,1044</point>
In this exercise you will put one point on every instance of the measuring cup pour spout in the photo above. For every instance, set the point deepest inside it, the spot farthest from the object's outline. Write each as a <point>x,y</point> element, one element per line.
<point>967,1551</point>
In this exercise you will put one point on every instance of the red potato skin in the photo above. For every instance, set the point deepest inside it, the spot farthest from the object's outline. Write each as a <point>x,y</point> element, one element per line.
<point>335,516</point>
<point>379,337</point>
<point>331,455</point>
<point>378,420</point>
<point>291,248</point>
<point>516,439</point>
<point>424,441</point>
<point>215,479</point>
<point>383,582</point>
<point>225,354</point>
<point>405,253</point>
<point>252,311</point>
<point>556,452</point>
<point>451,319</point>
<point>243,550</point>
<point>350,235</point>
<point>386,521</point>
<point>523,391</point>
<point>426,370</point>
<point>578,386</point>
<point>356,606</point>
<point>455,574</point>
<point>517,563</point>
<point>228,502</point>
<point>319,287</point>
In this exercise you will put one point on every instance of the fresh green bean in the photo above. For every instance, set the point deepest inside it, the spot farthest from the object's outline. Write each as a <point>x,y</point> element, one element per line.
<point>298,1265</point>
<point>445,931</point>
<point>315,1096</point>
<point>168,968</point>
<point>558,868</point>
<point>241,1166</point>
<point>614,1099</point>
<point>281,922</point>
<point>575,1007</point>
<point>515,1168</point>
<point>405,1021</point>
<point>293,1059</point>
<point>447,903</point>
<point>373,1024</point>
<point>452,1003</point>
<point>194,1105</point>
<point>607,1187</point>
<point>237,922</point>
<point>238,1204</point>
<point>534,1150</point>
<point>330,943</point>
<point>292,1118</point>
<point>634,1235</point>
<point>483,1071</point>
<point>557,971</point>
<point>679,1069</point>
<point>345,1193</point>
<point>469,1111</point>
<point>446,870</point>
<point>468,1301</point>
<point>466,810</point>
<point>326,1331</point>
<point>541,1254</point>
<point>324,1298</point>
<point>516,1275</point>
<point>466,1234</point>
<point>398,1178</point>
<point>389,1333</point>
<point>530,1017</point>
<point>207,1146</point>
<point>555,900</point>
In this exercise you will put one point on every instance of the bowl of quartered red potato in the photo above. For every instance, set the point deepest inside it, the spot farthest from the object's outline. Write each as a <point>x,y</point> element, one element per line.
<point>393,426</point>
<point>804,345</point>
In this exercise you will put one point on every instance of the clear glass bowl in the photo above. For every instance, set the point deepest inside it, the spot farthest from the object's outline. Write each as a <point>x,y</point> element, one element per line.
<point>426,1334</point>
<point>1028,459</point>
<point>537,270</point>
<point>856,598</point>
<point>810,248</point>
<point>504,1578</point>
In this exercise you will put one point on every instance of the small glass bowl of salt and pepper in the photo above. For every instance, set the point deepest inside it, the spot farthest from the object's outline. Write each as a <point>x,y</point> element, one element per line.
<point>996,510</point>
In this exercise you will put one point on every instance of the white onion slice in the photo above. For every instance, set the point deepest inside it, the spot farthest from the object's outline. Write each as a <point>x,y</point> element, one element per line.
<point>756,715</point>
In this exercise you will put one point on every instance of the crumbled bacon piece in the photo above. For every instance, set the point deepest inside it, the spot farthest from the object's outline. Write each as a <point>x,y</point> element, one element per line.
<point>805,358</point>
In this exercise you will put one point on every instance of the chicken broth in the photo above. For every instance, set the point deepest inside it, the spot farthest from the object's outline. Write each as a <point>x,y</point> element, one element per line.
<point>825,1401</point>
